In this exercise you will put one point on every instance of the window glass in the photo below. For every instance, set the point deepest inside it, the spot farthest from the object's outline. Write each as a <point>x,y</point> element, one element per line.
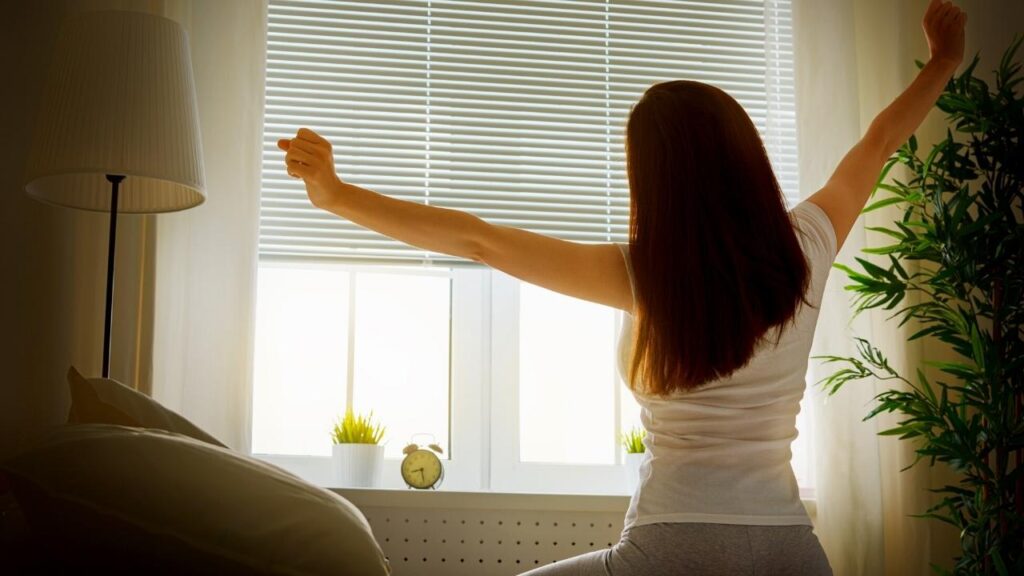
<point>402,352</point>
<point>567,379</point>
<point>300,359</point>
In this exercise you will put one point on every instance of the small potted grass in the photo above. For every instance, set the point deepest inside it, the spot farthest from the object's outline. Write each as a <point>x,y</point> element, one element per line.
<point>633,442</point>
<point>357,452</point>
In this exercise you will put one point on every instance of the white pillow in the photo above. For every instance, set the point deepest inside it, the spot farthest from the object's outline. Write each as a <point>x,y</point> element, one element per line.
<point>135,500</point>
<point>106,401</point>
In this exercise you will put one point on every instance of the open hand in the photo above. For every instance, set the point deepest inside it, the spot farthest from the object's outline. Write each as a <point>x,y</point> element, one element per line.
<point>309,156</point>
<point>944,28</point>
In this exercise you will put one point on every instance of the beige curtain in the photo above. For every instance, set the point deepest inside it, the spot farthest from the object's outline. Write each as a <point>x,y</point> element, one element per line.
<point>852,58</point>
<point>185,282</point>
<point>205,271</point>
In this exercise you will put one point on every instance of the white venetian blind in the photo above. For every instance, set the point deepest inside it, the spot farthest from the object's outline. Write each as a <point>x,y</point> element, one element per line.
<point>513,111</point>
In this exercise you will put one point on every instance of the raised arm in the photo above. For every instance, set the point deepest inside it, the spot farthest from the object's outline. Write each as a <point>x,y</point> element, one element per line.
<point>594,272</point>
<point>846,192</point>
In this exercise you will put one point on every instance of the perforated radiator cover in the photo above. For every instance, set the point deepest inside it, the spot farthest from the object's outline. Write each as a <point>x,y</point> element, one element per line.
<point>454,533</point>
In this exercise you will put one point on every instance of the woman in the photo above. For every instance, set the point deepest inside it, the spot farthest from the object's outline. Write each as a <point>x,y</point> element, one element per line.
<point>722,286</point>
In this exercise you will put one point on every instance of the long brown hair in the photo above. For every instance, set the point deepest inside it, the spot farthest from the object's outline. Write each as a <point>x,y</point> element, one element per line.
<point>716,261</point>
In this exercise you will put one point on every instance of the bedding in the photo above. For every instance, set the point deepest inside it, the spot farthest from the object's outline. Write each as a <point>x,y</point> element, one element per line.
<point>117,499</point>
<point>116,483</point>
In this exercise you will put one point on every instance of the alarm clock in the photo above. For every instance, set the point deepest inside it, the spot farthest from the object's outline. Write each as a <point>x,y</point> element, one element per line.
<point>421,467</point>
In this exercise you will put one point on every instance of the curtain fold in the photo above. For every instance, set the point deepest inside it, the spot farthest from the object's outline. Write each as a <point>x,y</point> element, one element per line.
<point>848,472</point>
<point>852,59</point>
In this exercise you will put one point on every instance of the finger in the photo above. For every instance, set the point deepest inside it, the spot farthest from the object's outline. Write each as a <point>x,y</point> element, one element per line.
<point>310,136</point>
<point>950,14</point>
<point>933,6</point>
<point>959,25</point>
<point>284,143</point>
<point>299,171</point>
<point>953,23</point>
<point>308,147</point>
<point>296,155</point>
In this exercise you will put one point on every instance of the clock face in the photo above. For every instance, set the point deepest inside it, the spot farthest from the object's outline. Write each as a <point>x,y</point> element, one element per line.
<point>422,469</point>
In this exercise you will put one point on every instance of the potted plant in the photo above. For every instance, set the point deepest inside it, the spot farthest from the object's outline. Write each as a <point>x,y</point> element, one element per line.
<point>633,442</point>
<point>957,257</point>
<point>357,453</point>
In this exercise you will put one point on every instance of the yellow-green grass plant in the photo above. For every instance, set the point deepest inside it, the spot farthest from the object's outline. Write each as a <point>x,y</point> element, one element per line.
<point>633,440</point>
<point>357,429</point>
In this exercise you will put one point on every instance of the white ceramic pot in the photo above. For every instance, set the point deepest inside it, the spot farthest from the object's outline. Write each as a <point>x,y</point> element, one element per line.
<point>358,465</point>
<point>632,467</point>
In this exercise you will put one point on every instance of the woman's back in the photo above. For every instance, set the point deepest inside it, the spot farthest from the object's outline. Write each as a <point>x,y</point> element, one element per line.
<point>720,453</point>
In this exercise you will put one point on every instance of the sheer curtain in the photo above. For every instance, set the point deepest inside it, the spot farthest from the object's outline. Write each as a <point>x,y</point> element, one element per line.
<point>852,58</point>
<point>848,490</point>
<point>205,259</point>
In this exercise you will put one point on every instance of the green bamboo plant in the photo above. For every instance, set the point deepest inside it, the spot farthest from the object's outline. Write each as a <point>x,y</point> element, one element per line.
<point>352,429</point>
<point>962,227</point>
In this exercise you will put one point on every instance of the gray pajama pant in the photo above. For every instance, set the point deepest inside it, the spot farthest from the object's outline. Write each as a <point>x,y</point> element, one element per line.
<point>701,549</point>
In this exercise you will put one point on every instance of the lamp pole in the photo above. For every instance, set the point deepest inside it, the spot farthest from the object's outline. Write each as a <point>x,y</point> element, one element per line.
<point>115,182</point>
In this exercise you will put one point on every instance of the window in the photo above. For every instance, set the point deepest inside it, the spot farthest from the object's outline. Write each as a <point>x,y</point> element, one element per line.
<point>512,111</point>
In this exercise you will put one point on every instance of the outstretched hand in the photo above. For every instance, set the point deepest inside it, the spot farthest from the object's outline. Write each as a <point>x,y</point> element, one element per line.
<point>309,156</point>
<point>944,28</point>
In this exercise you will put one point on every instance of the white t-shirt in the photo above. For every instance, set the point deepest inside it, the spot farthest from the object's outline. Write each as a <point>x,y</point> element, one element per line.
<point>721,453</point>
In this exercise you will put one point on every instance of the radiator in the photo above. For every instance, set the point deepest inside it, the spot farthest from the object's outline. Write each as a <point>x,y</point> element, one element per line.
<point>455,533</point>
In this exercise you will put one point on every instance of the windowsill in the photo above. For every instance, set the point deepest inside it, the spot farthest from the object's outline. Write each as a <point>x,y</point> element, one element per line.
<point>482,499</point>
<point>317,470</point>
<point>487,500</point>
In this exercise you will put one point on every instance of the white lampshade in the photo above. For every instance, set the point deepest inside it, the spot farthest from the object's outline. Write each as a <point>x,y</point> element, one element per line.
<point>120,99</point>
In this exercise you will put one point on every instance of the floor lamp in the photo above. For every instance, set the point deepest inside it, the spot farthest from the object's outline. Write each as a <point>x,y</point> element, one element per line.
<point>118,126</point>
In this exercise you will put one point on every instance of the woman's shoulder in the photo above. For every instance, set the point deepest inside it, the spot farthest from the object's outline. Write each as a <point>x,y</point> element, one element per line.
<point>814,229</point>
